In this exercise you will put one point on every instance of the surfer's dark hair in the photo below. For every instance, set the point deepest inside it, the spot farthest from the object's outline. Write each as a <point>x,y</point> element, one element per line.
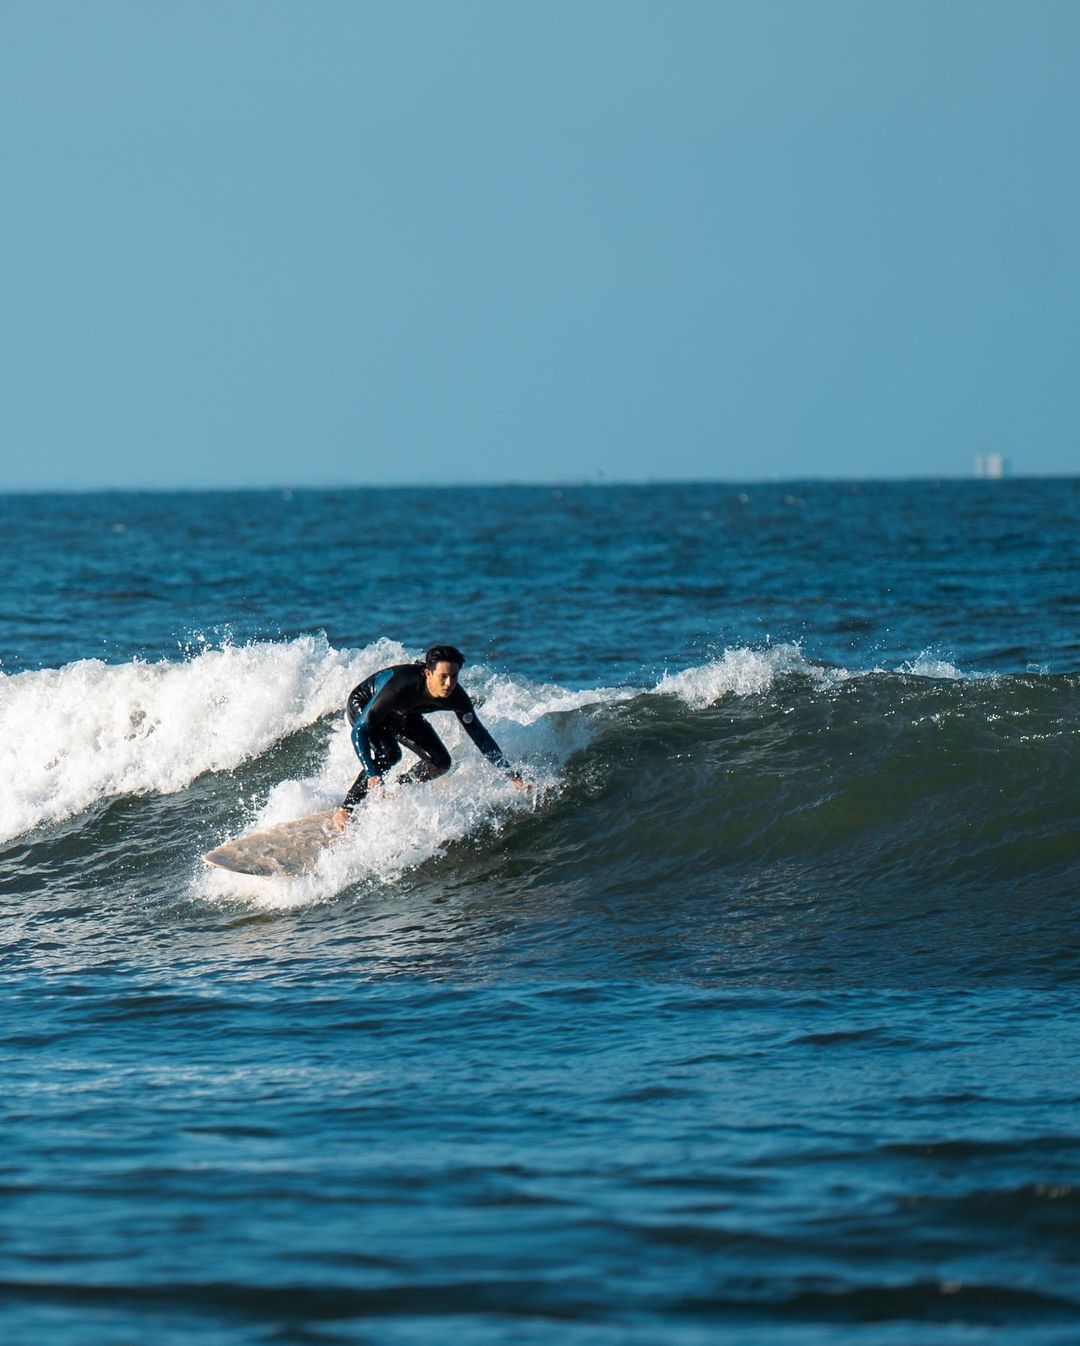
<point>443,654</point>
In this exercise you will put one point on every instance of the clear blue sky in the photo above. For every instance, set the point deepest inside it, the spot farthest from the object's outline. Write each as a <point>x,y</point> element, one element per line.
<point>253,242</point>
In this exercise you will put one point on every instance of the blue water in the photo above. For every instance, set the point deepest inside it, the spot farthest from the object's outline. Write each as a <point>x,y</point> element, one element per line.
<point>755,1021</point>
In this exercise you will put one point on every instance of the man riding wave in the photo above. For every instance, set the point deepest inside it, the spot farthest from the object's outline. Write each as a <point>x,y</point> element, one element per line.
<point>386,712</point>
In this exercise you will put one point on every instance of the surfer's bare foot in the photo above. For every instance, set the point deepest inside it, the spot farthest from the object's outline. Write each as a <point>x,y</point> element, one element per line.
<point>338,819</point>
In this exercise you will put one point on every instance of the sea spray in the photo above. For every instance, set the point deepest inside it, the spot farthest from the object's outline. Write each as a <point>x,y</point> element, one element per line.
<point>742,672</point>
<point>90,731</point>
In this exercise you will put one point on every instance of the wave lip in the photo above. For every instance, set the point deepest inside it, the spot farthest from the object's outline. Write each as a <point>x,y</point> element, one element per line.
<point>744,671</point>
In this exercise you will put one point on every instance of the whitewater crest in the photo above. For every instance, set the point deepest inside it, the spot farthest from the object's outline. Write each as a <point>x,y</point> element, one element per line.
<point>743,672</point>
<point>89,731</point>
<point>750,671</point>
<point>928,664</point>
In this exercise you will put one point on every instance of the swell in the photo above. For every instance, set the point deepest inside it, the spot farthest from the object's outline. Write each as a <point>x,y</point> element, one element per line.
<point>759,766</point>
<point>972,779</point>
<point>879,787</point>
<point>885,829</point>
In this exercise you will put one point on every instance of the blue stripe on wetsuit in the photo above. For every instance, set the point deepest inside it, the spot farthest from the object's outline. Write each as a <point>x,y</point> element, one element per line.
<point>359,730</point>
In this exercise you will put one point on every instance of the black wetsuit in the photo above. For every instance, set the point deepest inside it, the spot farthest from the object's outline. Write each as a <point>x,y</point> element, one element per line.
<point>388,709</point>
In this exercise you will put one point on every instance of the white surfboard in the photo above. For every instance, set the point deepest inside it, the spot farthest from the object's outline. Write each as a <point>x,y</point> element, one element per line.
<point>285,850</point>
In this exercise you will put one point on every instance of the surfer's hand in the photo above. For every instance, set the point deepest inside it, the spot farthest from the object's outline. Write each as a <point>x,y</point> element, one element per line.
<point>338,819</point>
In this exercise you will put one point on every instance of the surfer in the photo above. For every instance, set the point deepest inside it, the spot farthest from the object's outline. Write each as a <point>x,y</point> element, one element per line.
<point>386,712</point>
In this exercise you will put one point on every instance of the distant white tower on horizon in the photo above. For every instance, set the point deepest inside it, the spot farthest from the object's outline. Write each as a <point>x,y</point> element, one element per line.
<point>991,465</point>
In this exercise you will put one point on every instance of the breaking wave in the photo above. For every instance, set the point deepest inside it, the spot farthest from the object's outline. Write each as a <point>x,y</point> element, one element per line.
<point>757,756</point>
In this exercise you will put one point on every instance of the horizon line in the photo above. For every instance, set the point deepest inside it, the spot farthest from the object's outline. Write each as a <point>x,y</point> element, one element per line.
<point>554,483</point>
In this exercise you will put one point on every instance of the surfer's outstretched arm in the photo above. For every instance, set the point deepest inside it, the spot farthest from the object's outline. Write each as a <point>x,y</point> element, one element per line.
<point>471,724</point>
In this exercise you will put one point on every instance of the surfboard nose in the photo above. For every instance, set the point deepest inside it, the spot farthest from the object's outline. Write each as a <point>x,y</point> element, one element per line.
<point>285,850</point>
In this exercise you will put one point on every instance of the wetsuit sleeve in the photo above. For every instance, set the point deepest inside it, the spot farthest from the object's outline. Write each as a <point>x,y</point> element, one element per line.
<point>471,724</point>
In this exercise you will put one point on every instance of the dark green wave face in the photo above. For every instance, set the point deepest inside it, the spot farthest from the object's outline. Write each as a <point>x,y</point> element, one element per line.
<point>886,773</point>
<point>885,829</point>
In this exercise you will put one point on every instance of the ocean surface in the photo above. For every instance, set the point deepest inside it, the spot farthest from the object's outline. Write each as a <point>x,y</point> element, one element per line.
<point>756,1021</point>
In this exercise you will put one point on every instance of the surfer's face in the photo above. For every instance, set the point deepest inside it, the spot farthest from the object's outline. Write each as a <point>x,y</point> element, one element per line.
<point>442,679</point>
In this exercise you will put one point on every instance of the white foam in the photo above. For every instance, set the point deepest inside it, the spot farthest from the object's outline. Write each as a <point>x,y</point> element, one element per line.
<point>389,835</point>
<point>525,703</point>
<point>929,665</point>
<point>743,672</point>
<point>90,731</point>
